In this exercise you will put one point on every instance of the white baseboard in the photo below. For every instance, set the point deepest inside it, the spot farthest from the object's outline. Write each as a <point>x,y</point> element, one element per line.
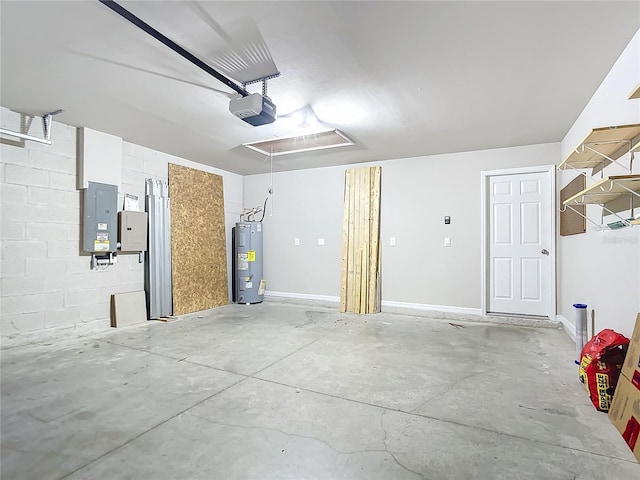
<point>568,325</point>
<point>446,312</point>
<point>388,305</point>
<point>302,296</point>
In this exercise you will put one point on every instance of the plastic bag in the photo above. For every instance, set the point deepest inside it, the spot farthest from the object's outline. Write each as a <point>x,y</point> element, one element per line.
<point>601,360</point>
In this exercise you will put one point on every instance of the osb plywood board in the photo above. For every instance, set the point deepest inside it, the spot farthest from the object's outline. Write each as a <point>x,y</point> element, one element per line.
<point>572,220</point>
<point>198,240</point>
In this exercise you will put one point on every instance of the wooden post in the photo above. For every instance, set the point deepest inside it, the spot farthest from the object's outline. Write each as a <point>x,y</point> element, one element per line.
<point>360,275</point>
<point>345,241</point>
<point>374,256</point>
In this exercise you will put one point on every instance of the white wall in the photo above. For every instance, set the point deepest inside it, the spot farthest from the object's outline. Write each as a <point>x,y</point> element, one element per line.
<point>602,268</point>
<point>45,282</point>
<point>416,195</point>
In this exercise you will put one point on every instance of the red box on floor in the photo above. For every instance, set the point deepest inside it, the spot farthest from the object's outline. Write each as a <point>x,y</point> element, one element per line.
<point>624,412</point>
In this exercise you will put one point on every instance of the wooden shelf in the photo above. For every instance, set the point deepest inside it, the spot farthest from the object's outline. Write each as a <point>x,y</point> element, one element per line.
<point>606,190</point>
<point>607,141</point>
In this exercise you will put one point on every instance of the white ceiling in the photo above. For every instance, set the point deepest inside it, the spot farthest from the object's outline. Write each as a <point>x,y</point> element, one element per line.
<point>410,78</point>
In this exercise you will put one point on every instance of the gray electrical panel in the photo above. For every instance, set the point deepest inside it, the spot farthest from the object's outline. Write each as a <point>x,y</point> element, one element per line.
<point>132,231</point>
<point>100,209</point>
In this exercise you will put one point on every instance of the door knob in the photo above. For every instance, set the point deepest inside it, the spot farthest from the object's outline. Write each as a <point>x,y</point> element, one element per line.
<point>545,251</point>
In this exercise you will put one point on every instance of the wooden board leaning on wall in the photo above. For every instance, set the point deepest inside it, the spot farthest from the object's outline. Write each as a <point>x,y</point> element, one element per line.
<point>198,240</point>
<point>360,289</point>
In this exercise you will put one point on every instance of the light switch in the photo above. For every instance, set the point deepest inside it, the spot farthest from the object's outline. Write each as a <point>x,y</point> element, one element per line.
<point>296,241</point>
<point>392,241</point>
<point>321,241</point>
<point>447,242</point>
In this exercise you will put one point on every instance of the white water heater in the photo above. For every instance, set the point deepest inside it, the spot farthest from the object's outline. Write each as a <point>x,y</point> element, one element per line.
<point>248,284</point>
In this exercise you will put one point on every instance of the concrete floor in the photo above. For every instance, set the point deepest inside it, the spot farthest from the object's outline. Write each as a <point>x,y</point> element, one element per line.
<point>283,391</point>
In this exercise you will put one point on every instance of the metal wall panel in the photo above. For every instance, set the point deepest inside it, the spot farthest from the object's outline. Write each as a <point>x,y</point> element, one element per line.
<point>158,264</point>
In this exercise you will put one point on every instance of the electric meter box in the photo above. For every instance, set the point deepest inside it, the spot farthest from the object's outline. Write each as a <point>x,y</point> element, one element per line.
<point>132,231</point>
<point>100,208</point>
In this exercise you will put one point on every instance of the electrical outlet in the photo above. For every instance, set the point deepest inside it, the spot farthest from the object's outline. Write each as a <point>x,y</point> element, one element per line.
<point>447,242</point>
<point>296,241</point>
<point>321,241</point>
<point>392,241</point>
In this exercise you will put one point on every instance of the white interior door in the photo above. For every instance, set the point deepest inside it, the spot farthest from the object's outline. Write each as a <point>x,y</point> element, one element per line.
<point>520,241</point>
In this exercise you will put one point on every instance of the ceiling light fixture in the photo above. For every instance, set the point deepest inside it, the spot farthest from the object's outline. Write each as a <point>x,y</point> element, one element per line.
<point>305,118</point>
<point>301,143</point>
<point>302,118</point>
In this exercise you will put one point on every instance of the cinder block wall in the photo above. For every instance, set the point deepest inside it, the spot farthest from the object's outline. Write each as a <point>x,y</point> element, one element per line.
<point>45,282</point>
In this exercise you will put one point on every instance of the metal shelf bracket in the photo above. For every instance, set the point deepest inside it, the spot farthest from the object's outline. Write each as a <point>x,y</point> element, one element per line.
<point>46,128</point>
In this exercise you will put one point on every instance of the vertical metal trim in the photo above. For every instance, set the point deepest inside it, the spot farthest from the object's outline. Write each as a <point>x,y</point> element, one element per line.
<point>158,280</point>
